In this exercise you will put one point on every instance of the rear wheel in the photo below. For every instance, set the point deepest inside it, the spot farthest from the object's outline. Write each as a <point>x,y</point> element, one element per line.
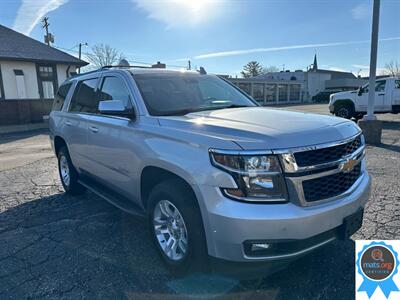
<point>344,110</point>
<point>177,228</point>
<point>68,174</point>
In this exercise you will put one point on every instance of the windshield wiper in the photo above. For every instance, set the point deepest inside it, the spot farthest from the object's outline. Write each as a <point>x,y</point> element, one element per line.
<point>234,106</point>
<point>186,111</point>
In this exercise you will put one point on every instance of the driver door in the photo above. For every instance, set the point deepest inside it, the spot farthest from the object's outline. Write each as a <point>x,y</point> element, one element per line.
<point>362,102</point>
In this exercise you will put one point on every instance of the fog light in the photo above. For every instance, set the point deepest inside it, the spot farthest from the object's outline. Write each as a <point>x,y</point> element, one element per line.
<point>260,246</point>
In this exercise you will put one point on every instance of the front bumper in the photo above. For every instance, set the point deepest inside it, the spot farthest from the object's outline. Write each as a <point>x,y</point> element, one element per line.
<point>331,108</point>
<point>230,224</point>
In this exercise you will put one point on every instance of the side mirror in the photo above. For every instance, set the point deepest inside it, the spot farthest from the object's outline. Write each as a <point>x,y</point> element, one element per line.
<point>360,91</point>
<point>115,108</point>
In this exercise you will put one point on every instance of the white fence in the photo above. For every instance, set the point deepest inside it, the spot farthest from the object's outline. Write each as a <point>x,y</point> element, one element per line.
<point>270,93</point>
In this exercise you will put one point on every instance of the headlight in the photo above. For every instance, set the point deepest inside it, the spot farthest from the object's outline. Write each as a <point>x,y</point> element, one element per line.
<point>258,177</point>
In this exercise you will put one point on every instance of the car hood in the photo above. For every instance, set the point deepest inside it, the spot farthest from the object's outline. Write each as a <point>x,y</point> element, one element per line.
<point>258,128</point>
<point>346,93</point>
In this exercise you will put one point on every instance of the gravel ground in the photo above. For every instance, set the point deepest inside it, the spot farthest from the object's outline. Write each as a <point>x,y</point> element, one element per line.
<point>56,246</point>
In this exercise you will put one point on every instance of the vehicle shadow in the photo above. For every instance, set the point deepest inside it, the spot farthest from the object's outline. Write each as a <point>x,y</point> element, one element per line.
<point>390,125</point>
<point>82,247</point>
<point>394,148</point>
<point>12,137</point>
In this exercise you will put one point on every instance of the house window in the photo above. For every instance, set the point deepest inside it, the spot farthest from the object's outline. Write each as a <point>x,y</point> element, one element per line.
<point>294,92</point>
<point>258,92</point>
<point>20,83</point>
<point>270,91</point>
<point>47,80</point>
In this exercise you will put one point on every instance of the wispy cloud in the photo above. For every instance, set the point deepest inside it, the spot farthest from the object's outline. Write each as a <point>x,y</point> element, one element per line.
<point>31,11</point>
<point>292,47</point>
<point>338,69</point>
<point>363,70</point>
<point>177,13</point>
<point>360,66</point>
<point>361,11</point>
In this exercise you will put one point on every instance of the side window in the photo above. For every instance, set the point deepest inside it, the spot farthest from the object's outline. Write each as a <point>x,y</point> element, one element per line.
<point>62,93</point>
<point>114,88</point>
<point>397,84</point>
<point>380,86</point>
<point>85,98</point>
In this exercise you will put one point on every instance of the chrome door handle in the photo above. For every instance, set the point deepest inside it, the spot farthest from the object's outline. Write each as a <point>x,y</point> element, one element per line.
<point>382,94</point>
<point>93,129</point>
<point>68,123</point>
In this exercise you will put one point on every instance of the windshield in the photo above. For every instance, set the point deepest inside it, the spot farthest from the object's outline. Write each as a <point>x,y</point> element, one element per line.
<point>179,94</point>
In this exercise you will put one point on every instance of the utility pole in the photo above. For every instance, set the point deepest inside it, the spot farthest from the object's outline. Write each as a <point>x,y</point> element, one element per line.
<point>80,54</point>
<point>371,127</point>
<point>46,24</point>
<point>189,65</point>
<point>372,66</point>
<point>48,38</point>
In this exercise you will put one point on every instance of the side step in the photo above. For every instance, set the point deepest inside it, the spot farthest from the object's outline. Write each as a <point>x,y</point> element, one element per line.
<point>116,200</point>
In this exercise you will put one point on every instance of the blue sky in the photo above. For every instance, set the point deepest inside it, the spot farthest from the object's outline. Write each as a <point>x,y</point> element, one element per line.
<point>221,35</point>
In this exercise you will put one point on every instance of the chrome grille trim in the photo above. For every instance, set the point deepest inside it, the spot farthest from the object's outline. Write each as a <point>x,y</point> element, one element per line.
<point>295,178</point>
<point>288,159</point>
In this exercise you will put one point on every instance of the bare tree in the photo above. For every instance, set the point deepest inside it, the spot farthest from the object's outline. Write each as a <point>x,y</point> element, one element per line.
<point>104,55</point>
<point>252,69</point>
<point>270,69</point>
<point>392,68</point>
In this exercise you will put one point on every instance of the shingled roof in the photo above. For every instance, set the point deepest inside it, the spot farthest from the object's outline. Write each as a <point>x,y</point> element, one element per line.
<point>16,46</point>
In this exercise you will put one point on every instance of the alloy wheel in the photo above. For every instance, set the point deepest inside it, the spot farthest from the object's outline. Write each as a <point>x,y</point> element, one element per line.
<point>64,170</point>
<point>170,230</point>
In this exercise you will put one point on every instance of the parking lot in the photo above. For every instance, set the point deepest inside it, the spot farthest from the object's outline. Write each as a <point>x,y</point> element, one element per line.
<point>59,246</point>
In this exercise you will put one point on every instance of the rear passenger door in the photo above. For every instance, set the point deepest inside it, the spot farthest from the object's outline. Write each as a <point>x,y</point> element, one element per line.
<point>112,139</point>
<point>84,102</point>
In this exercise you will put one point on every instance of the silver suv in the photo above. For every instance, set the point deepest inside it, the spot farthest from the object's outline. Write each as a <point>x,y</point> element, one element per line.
<point>215,174</point>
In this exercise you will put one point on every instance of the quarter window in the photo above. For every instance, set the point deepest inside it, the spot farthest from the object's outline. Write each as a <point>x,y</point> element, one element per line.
<point>114,88</point>
<point>397,84</point>
<point>85,98</point>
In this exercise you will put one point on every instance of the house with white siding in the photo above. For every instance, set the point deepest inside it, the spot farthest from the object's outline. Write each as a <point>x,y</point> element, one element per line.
<point>30,73</point>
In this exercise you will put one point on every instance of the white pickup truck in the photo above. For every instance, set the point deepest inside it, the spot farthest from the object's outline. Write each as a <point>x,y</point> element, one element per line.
<point>354,103</point>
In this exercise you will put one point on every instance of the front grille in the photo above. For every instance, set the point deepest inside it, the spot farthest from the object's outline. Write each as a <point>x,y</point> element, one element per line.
<point>325,155</point>
<point>330,186</point>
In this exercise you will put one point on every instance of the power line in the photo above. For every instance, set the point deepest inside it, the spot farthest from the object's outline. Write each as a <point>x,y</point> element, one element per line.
<point>129,59</point>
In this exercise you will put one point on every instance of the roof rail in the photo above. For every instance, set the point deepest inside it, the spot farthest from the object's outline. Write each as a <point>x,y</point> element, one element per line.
<point>128,66</point>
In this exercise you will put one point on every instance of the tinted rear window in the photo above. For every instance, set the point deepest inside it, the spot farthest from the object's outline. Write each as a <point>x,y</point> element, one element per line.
<point>85,98</point>
<point>62,93</point>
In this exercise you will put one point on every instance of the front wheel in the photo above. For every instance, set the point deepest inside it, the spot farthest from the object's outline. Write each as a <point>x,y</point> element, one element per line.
<point>177,228</point>
<point>344,111</point>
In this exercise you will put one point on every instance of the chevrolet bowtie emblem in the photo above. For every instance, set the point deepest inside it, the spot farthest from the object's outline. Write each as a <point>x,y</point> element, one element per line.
<point>348,165</point>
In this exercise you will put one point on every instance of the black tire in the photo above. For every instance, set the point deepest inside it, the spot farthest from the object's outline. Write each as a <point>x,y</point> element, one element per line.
<point>71,186</point>
<point>182,197</point>
<point>344,110</point>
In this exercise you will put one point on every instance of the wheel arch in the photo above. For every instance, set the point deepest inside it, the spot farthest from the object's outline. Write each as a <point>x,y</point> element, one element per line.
<point>58,143</point>
<point>344,101</point>
<point>152,175</point>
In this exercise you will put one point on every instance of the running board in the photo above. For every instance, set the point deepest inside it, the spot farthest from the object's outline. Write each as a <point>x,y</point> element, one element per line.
<point>118,201</point>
